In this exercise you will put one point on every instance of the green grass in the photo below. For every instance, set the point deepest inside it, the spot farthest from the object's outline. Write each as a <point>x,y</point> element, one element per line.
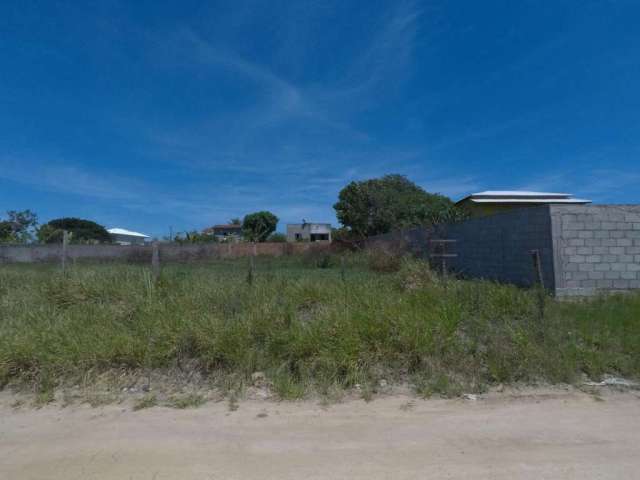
<point>147,401</point>
<point>306,322</point>
<point>191,400</point>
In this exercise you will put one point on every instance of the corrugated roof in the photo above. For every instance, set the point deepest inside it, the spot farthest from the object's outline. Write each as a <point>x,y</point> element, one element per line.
<point>529,200</point>
<point>522,196</point>
<point>518,193</point>
<point>122,231</point>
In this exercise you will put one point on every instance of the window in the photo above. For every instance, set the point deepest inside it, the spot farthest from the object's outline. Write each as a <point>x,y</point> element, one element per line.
<point>316,237</point>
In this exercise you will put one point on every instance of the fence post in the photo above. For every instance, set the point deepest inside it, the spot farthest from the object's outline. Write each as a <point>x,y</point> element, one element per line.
<point>250,274</point>
<point>65,242</point>
<point>155,260</point>
<point>537,268</point>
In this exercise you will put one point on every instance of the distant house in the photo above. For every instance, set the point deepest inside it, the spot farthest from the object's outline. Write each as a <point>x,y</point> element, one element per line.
<point>224,232</point>
<point>490,202</point>
<point>309,232</point>
<point>127,237</point>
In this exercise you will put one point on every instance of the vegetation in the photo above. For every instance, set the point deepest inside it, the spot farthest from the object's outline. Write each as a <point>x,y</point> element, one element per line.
<point>19,227</point>
<point>194,237</point>
<point>309,324</point>
<point>277,238</point>
<point>257,226</point>
<point>81,231</point>
<point>392,202</point>
<point>147,401</point>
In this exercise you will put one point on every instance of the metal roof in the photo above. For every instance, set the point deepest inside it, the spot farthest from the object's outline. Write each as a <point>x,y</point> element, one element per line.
<point>516,196</point>
<point>122,231</point>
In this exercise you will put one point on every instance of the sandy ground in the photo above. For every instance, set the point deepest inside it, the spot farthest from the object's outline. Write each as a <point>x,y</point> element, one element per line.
<point>539,435</point>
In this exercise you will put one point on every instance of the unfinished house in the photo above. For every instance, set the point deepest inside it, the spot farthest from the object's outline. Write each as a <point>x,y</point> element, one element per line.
<point>309,232</point>
<point>574,250</point>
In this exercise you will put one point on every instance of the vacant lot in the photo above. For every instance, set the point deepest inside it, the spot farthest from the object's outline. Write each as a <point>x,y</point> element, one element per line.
<point>314,325</point>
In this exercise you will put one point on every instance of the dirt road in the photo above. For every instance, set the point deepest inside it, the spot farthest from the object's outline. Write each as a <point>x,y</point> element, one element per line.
<point>536,436</point>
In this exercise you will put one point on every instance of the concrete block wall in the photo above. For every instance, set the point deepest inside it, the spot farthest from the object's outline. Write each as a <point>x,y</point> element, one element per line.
<point>496,247</point>
<point>499,247</point>
<point>597,248</point>
<point>170,252</point>
<point>584,248</point>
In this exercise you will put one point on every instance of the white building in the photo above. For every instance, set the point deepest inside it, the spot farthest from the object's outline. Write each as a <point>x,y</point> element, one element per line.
<point>309,232</point>
<point>127,237</point>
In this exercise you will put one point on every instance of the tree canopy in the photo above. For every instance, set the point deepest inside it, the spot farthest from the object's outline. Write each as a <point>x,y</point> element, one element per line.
<point>18,227</point>
<point>256,227</point>
<point>82,231</point>
<point>392,202</point>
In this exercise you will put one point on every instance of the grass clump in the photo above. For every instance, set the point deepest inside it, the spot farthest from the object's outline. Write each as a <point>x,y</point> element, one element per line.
<point>190,400</point>
<point>309,329</point>
<point>147,401</point>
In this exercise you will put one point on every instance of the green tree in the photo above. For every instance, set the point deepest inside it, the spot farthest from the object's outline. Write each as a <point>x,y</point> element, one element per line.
<point>82,231</point>
<point>19,227</point>
<point>235,221</point>
<point>256,227</point>
<point>277,238</point>
<point>392,202</point>
<point>194,237</point>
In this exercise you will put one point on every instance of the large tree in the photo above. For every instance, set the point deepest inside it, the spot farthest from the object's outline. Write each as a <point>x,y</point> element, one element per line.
<point>256,227</point>
<point>392,202</point>
<point>18,227</point>
<point>82,231</point>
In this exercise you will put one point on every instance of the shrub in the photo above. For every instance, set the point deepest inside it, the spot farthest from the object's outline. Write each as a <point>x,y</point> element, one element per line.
<point>81,231</point>
<point>277,238</point>
<point>384,261</point>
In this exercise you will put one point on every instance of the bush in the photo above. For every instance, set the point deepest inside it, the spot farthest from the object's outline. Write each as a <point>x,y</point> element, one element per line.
<point>81,231</point>
<point>319,258</point>
<point>414,274</point>
<point>384,261</point>
<point>277,238</point>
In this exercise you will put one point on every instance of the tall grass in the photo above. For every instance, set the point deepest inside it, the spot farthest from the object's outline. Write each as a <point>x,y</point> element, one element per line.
<point>309,325</point>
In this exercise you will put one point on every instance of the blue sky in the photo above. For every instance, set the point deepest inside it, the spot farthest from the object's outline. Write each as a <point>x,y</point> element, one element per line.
<point>152,114</point>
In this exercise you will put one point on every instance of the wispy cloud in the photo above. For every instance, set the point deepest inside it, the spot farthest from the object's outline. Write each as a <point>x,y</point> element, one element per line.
<point>290,149</point>
<point>595,184</point>
<point>286,119</point>
<point>65,178</point>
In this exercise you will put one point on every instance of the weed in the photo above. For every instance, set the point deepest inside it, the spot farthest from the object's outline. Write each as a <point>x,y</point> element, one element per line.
<point>147,401</point>
<point>296,323</point>
<point>191,400</point>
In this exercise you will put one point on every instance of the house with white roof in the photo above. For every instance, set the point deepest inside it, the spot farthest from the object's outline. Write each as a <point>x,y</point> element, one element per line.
<point>496,201</point>
<point>122,236</point>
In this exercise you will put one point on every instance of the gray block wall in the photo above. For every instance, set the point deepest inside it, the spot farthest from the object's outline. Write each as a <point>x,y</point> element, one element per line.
<point>499,247</point>
<point>496,247</point>
<point>597,247</point>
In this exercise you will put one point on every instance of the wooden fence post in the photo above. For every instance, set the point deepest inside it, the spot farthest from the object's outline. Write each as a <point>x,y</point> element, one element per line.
<point>65,242</point>
<point>250,274</point>
<point>537,268</point>
<point>155,260</point>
